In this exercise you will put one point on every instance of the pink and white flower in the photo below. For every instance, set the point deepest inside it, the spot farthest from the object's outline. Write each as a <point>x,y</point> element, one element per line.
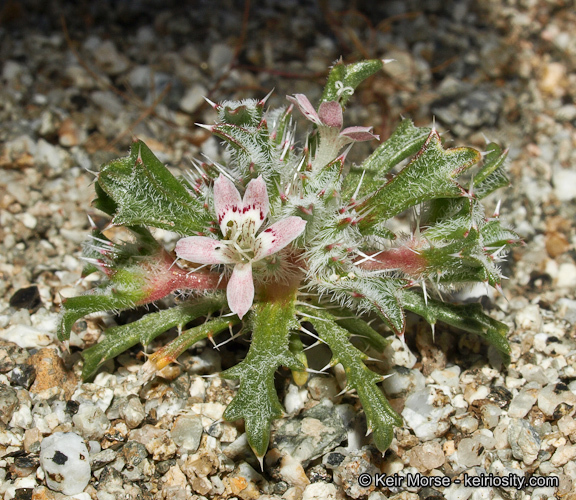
<point>240,219</point>
<point>330,115</point>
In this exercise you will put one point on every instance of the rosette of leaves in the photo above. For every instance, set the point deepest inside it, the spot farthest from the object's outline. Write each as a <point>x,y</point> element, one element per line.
<point>338,263</point>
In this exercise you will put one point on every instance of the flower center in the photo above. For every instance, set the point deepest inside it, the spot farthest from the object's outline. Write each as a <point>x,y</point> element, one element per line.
<point>240,242</point>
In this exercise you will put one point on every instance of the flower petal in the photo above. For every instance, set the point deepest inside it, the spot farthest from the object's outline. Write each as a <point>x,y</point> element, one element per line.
<point>255,203</point>
<point>359,134</point>
<point>277,236</point>
<point>330,114</point>
<point>240,290</point>
<point>305,107</point>
<point>203,250</point>
<point>228,204</point>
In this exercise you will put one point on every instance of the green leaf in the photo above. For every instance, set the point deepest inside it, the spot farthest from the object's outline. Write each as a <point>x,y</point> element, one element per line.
<point>125,292</point>
<point>297,349</point>
<point>360,328</point>
<point>120,338</point>
<point>256,401</point>
<point>247,112</point>
<point>281,125</point>
<point>404,142</point>
<point>103,201</point>
<point>491,176</point>
<point>495,236</point>
<point>344,76</point>
<point>380,416</point>
<point>367,180</point>
<point>251,148</point>
<point>431,174</point>
<point>493,182</point>
<point>170,352</point>
<point>147,194</point>
<point>378,294</point>
<point>75,308</point>
<point>468,317</point>
<point>448,229</point>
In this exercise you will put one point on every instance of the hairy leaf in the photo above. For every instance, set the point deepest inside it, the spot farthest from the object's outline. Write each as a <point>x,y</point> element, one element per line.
<point>256,401</point>
<point>430,175</point>
<point>469,318</point>
<point>147,194</point>
<point>491,176</point>
<point>344,78</point>
<point>404,142</point>
<point>378,294</point>
<point>380,416</point>
<point>120,338</point>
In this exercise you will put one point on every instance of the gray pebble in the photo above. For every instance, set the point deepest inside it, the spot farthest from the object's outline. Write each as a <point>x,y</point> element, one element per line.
<point>524,441</point>
<point>8,403</point>
<point>102,458</point>
<point>187,432</point>
<point>90,421</point>
<point>193,98</point>
<point>319,430</point>
<point>523,401</point>
<point>132,411</point>
<point>403,381</point>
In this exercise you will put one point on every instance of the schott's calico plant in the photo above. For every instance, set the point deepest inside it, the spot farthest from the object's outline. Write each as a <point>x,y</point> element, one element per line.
<point>288,238</point>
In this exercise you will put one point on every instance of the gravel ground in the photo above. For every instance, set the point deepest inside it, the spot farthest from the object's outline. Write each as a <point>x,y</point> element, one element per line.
<point>74,94</point>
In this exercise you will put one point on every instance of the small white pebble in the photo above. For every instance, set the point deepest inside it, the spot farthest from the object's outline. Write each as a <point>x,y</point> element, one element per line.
<point>65,461</point>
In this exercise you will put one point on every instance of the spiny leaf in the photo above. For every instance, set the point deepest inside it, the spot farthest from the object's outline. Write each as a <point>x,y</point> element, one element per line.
<point>251,147</point>
<point>380,416</point>
<point>256,401</point>
<point>344,78</point>
<point>75,308</point>
<point>247,112</point>
<point>404,142</point>
<point>147,194</point>
<point>494,181</point>
<point>104,201</point>
<point>170,352</point>
<point>125,291</point>
<point>469,318</point>
<point>120,338</point>
<point>495,236</point>
<point>297,348</point>
<point>431,174</point>
<point>280,124</point>
<point>378,294</point>
<point>381,294</point>
<point>491,176</point>
<point>360,328</point>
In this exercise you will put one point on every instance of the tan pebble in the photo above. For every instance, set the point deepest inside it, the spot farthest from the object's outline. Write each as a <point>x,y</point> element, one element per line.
<point>51,373</point>
<point>556,244</point>
<point>553,79</point>
<point>448,447</point>
<point>31,436</point>
<point>238,484</point>
<point>69,133</point>
<point>43,493</point>
<point>427,456</point>
<point>563,455</point>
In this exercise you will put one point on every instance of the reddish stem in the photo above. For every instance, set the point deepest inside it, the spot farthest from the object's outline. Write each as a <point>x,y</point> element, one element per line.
<point>403,258</point>
<point>166,277</point>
